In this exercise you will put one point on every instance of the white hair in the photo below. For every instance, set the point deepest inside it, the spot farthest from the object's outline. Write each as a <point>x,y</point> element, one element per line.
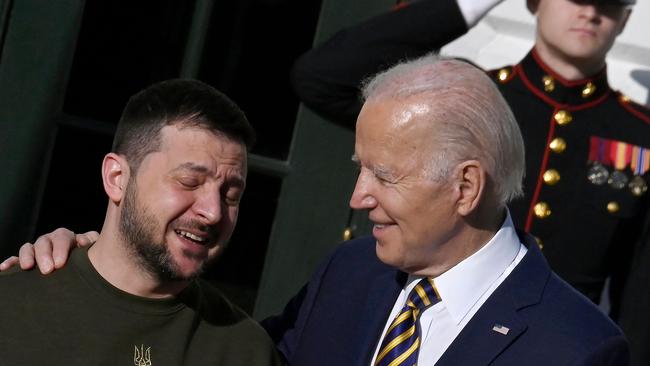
<point>472,120</point>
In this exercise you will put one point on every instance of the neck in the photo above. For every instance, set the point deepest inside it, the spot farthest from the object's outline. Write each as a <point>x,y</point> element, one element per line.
<point>570,69</point>
<point>118,265</point>
<point>472,234</point>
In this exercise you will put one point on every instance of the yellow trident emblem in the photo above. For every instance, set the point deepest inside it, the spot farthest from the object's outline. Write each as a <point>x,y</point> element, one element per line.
<point>142,357</point>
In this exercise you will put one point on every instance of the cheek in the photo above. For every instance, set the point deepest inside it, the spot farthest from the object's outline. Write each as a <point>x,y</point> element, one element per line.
<point>229,219</point>
<point>171,205</point>
<point>233,214</point>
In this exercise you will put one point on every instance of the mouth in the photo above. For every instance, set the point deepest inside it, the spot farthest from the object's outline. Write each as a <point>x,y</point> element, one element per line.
<point>194,238</point>
<point>378,229</point>
<point>585,31</point>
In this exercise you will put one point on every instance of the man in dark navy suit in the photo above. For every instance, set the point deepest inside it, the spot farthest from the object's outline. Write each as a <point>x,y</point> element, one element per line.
<point>445,279</point>
<point>586,196</point>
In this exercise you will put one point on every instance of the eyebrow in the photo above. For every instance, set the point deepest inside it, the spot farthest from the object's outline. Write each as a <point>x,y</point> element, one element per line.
<point>383,173</point>
<point>191,166</point>
<point>234,180</point>
<point>378,171</point>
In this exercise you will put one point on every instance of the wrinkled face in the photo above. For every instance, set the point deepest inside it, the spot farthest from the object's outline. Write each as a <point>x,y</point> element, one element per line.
<point>413,215</point>
<point>180,209</point>
<point>577,30</point>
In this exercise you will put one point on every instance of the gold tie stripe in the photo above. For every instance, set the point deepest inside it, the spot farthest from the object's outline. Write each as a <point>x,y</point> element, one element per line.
<point>402,340</point>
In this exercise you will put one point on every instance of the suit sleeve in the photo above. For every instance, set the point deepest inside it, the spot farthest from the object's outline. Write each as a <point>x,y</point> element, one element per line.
<point>611,352</point>
<point>286,328</point>
<point>327,78</point>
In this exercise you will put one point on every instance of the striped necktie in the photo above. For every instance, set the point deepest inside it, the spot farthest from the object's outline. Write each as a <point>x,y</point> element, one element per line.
<point>402,340</point>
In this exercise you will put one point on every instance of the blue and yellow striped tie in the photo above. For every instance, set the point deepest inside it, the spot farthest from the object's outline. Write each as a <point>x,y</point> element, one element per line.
<point>402,340</point>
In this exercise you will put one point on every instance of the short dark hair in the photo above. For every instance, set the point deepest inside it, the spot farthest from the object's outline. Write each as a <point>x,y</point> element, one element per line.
<point>178,101</point>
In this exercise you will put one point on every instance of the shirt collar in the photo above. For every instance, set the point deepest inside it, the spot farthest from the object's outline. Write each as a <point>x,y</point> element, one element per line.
<point>461,286</point>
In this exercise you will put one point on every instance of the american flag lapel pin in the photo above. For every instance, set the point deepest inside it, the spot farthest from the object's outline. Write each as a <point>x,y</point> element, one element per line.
<point>500,329</point>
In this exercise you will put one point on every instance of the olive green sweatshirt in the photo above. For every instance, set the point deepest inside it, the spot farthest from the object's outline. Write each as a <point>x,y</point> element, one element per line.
<point>75,317</point>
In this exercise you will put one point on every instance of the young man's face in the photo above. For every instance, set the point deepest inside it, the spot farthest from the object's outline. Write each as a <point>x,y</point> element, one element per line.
<point>575,30</point>
<point>181,207</point>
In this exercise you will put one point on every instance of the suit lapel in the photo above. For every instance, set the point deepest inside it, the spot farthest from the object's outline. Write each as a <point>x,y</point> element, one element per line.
<point>378,303</point>
<point>482,339</point>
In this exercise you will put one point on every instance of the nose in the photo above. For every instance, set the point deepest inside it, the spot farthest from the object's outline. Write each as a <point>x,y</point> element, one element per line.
<point>362,198</point>
<point>208,206</point>
<point>589,11</point>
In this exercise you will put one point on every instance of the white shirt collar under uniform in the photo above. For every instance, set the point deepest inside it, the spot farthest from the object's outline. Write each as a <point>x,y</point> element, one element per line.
<point>463,289</point>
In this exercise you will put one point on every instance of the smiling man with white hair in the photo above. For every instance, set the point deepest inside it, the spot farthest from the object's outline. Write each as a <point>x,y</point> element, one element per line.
<point>445,279</point>
<point>586,198</point>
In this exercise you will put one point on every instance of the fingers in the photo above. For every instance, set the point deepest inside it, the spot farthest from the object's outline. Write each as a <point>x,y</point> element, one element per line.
<point>57,247</point>
<point>50,251</point>
<point>8,263</point>
<point>26,256</point>
<point>84,240</point>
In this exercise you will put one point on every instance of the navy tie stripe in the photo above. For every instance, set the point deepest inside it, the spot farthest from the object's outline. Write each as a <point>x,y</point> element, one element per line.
<point>402,341</point>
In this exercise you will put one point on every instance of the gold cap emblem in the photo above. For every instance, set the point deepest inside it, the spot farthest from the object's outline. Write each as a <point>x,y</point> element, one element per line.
<point>551,177</point>
<point>542,210</point>
<point>558,145</point>
<point>563,117</point>
<point>549,83</point>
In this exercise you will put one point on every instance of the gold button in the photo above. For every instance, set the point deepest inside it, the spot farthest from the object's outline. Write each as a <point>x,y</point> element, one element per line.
<point>563,117</point>
<point>551,177</point>
<point>613,207</point>
<point>540,244</point>
<point>558,145</point>
<point>347,234</point>
<point>588,90</point>
<point>542,210</point>
<point>549,83</point>
<point>624,98</point>
<point>503,74</point>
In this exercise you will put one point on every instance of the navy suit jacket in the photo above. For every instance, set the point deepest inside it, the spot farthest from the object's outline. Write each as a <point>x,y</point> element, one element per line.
<point>338,317</point>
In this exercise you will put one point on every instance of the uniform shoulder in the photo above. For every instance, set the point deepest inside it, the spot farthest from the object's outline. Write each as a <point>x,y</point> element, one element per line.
<point>638,110</point>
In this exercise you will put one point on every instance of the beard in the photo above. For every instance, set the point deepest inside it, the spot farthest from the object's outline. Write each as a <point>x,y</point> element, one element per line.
<point>138,227</point>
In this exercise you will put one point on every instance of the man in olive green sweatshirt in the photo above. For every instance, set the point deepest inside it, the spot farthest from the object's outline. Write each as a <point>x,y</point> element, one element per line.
<point>174,180</point>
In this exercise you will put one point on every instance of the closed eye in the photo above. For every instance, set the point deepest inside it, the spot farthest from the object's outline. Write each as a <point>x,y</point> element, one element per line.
<point>189,183</point>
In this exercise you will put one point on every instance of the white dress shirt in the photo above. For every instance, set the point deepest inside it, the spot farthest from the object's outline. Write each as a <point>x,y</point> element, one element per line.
<point>463,289</point>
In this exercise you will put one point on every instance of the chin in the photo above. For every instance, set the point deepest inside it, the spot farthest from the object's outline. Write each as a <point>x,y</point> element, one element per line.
<point>388,255</point>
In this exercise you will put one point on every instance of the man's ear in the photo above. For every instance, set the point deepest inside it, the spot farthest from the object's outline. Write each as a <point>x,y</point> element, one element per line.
<point>532,6</point>
<point>471,181</point>
<point>115,175</point>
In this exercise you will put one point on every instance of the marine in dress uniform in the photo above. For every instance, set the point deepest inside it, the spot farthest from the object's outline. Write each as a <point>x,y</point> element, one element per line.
<point>587,159</point>
<point>587,151</point>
